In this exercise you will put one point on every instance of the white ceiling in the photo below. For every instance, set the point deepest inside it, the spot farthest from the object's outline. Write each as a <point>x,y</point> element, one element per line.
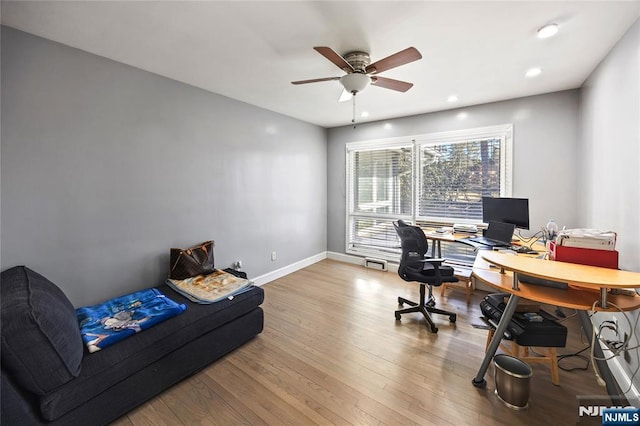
<point>251,51</point>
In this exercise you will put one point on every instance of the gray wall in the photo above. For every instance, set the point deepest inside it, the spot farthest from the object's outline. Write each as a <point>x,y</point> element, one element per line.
<point>104,167</point>
<point>610,170</point>
<point>610,147</point>
<point>545,132</point>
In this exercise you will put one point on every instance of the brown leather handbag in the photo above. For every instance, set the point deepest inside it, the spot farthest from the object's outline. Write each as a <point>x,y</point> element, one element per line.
<point>187,263</point>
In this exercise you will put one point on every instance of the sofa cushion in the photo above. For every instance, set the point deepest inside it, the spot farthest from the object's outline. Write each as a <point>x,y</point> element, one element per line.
<point>41,343</point>
<point>106,368</point>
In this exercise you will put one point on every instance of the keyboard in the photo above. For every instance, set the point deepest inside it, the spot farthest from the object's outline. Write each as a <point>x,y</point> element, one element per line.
<point>487,242</point>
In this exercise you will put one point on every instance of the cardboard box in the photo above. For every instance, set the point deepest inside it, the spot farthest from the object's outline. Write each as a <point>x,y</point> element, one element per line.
<point>584,256</point>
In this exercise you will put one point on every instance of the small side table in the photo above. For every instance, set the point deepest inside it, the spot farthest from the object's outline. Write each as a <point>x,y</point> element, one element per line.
<point>465,282</point>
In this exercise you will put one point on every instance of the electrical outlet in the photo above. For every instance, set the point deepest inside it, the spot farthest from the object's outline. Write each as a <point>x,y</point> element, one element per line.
<point>617,335</point>
<point>273,256</point>
<point>238,264</point>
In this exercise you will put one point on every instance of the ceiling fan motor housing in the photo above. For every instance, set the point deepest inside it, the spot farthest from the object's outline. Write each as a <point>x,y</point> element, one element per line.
<point>355,82</point>
<point>358,60</point>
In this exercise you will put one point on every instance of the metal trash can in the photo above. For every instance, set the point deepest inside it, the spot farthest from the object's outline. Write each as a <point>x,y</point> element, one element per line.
<point>513,381</point>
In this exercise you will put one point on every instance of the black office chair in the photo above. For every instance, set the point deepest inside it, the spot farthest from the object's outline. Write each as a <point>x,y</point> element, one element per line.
<point>415,265</point>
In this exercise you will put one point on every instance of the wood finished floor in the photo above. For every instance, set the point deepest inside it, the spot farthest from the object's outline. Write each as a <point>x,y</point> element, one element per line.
<point>332,353</point>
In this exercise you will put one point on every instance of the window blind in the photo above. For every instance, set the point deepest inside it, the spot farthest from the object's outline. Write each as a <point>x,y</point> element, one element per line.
<point>380,191</point>
<point>437,178</point>
<point>453,178</point>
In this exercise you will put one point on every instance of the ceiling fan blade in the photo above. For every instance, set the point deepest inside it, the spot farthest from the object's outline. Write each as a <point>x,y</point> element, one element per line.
<point>403,57</point>
<point>338,60</point>
<point>315,80</point>
<point>390,83</point>
<point>344,96</point>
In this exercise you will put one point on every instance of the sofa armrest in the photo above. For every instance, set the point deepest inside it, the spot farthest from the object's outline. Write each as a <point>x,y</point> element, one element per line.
<point>18,406</point>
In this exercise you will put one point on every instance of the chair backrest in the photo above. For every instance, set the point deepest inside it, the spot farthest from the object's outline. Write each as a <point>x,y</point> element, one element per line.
<point>414,247</point>
<point>412,240</point>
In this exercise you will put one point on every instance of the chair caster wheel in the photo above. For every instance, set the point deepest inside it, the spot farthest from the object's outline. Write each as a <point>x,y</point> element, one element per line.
<point>397,317</point>
<point>431,304</point>
<point>452,318</point>
<point>434,329</point>
<point>400,301</point>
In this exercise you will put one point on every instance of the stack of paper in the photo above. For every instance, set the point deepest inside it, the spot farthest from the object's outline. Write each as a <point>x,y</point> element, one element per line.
<point>465,228</point>
<point>587,238</point>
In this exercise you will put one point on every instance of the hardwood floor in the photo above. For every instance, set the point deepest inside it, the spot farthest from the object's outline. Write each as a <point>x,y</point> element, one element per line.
<point>332,353</point>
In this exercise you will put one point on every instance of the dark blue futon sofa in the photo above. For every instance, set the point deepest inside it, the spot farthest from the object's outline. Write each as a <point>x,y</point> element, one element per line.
<point>49,377</point>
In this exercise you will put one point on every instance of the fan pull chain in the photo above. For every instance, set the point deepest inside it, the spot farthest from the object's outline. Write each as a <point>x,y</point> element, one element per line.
<point>353,120</point>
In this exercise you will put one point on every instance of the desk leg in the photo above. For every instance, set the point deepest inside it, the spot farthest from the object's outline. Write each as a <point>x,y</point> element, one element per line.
<point>436,250</point>
<point>603,298</point>
<point>479,380</point>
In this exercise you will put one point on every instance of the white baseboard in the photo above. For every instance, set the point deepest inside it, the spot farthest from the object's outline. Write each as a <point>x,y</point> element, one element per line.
<point>286,270</point>
<point>356,260</point>
<point>347,258</point>
<point>622,377</point>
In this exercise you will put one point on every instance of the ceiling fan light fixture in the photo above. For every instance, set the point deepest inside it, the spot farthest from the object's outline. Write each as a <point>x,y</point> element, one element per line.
<point>355,82</point>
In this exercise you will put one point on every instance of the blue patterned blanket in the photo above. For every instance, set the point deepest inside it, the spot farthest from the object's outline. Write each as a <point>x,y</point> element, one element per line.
<point>116,319</point>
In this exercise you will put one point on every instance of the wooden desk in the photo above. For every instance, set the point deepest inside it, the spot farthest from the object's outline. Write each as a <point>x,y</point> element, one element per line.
<point>587,288</point>
<point>451,237</point>
<point>438,237</point>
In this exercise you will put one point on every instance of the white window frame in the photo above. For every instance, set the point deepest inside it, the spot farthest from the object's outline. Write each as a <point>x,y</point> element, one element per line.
<point>503,132</point>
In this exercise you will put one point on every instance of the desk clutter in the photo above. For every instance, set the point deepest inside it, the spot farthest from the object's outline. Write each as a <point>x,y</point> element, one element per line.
<point>587,238</point>
<point>464,228</point>
<point>586,292</point>
<point>524,327</point>
<point>586,247</point>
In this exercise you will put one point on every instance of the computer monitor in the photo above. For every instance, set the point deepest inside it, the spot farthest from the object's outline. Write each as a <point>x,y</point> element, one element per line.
<point>509,210</point>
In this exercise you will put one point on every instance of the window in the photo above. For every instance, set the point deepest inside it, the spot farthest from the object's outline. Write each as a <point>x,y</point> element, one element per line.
<point>380,189</point>
<point>436,179</point>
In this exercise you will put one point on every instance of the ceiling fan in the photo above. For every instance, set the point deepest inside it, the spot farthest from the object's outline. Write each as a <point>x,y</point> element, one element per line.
<point>360,72</point>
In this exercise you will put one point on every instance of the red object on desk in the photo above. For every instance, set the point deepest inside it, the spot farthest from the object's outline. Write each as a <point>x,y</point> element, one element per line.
<point>583,256</point>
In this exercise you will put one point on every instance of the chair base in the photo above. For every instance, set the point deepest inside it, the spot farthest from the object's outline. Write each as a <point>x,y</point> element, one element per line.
<point>426,307</point>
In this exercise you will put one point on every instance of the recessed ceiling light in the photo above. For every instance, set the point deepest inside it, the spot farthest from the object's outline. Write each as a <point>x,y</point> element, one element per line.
<point>365,114</point>
<point>452,98</point>
<point>533,72</point>
<point>548,30</point>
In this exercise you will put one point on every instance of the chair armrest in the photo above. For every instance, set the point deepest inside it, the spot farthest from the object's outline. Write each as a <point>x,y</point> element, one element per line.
<point>434,260</point>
